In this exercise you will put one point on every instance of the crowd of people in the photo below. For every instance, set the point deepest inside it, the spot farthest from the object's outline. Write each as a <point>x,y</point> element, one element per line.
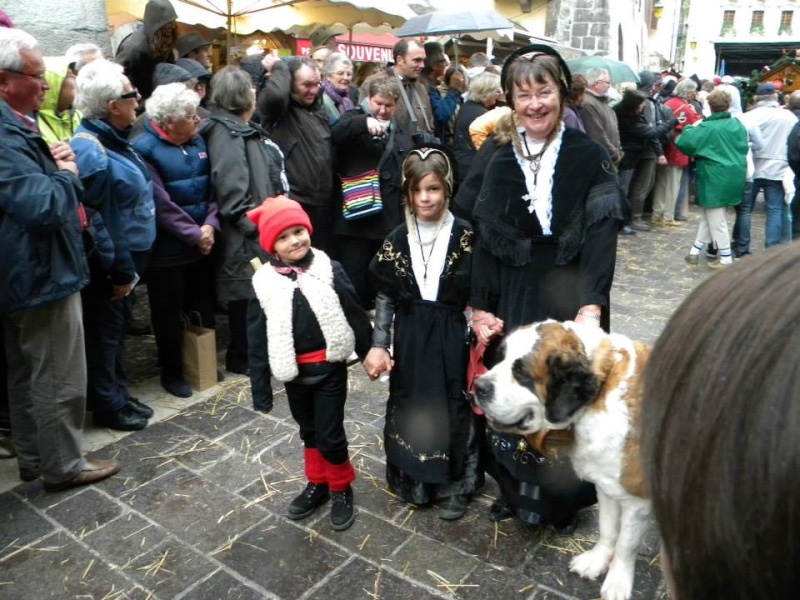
<point>410,216</point>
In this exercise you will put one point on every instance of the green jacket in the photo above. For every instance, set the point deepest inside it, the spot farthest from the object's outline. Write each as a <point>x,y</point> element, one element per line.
<point>55,126</point>
<point>719,146</point>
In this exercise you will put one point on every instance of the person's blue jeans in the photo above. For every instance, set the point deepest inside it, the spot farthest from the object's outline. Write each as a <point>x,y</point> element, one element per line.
<point>777,224</point>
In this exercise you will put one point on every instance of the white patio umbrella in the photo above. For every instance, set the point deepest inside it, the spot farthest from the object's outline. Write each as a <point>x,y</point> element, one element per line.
<point>291,16</point>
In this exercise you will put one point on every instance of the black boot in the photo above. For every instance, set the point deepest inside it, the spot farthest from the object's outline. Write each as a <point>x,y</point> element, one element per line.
<point>453,507</point>
<point>140,408</point>
<point>342,515</point>
<point>124,419</point>
<point>304,505</point>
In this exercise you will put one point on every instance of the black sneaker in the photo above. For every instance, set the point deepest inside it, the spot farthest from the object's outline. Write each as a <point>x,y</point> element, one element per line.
<point>124,419</point>
<point>140,408</point>
<point>304,505</point>
<point>342,515</point>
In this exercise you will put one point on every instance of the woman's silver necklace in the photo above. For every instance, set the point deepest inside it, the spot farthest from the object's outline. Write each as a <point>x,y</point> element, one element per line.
<point>534,160</point>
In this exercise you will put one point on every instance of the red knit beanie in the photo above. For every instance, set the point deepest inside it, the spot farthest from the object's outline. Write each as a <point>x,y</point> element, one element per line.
<point>276,215</point>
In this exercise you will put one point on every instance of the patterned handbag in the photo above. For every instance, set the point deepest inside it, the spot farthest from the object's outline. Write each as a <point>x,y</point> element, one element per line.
<point>361,195</point>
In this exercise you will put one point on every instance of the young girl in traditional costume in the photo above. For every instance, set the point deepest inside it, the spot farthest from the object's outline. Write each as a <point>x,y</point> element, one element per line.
<point>422,273</point>
<point>314,322</point>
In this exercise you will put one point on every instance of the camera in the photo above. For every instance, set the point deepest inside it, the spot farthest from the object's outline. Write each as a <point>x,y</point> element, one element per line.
<point>422,138</point>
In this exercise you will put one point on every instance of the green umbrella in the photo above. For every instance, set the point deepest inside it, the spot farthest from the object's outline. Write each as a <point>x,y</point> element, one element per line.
<point>619,71</point>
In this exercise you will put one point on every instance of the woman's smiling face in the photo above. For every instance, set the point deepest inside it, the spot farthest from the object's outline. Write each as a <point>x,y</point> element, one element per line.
<point>538,107</point>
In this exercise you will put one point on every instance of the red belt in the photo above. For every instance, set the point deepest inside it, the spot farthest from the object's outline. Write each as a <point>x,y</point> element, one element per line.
<point>317,356</point>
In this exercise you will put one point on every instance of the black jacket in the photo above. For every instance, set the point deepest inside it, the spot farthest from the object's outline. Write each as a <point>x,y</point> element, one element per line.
<point>245,170</point>
<point>43,258</point>
<point>135,52</point>
<point>304,136</point>
<point>463,148</point>
<point>357,152</point>
<point>640,139</point>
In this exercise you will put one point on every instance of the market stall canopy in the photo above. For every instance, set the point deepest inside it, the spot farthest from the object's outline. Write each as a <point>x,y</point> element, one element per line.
<point>291,16</point>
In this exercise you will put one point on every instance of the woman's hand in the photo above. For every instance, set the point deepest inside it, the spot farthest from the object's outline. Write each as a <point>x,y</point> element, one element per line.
<point>377,362</point>
<point>486,326</point>
<point>206,239</point>
<point>589,315</point>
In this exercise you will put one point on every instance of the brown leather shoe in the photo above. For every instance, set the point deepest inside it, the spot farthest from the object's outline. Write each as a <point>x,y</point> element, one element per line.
<point>92,472</point>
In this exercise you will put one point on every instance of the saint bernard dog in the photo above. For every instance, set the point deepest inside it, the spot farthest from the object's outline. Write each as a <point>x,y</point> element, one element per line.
<point>569,377</point>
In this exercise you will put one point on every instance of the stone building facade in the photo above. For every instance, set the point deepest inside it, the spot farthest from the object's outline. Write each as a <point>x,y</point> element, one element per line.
<point>582,24</point>
<point>57,25</point>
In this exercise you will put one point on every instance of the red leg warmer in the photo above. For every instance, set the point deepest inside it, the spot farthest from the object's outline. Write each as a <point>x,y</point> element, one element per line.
<point>340,476</point>
<point>315,466</point>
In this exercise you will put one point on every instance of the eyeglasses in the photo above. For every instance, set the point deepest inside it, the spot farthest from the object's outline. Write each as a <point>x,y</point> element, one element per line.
<point>39,77</point>
<point>195,117</point>
<point>606,81</point>
<point>134,93</point>
<point>526,98</point>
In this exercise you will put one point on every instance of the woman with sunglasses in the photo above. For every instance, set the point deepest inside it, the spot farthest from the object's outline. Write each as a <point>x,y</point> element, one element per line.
<point>545,204</point>
<point>118,190</point>
<point>180,276</point>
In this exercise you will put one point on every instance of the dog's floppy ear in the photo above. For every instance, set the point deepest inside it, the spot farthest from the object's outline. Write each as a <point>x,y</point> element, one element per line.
<point>572,385</point>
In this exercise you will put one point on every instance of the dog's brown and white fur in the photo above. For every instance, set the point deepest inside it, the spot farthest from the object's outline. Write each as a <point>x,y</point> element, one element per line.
<point>559,375</point>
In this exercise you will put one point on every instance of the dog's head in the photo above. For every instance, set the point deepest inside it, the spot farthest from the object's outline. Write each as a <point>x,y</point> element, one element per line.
<point>543,379</point>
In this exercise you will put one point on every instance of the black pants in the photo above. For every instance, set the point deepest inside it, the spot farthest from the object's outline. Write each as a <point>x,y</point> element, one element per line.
<point>258,357</point>
<point>105,322</point>
<point>321,217</point>
<point>5,419</point>
<point>236,355</point>
<point>173,292</point>
<point>317,404</point>
<point>355,254</point>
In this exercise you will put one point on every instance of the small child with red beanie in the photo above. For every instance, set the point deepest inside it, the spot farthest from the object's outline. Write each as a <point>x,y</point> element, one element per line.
<point>314,322</point>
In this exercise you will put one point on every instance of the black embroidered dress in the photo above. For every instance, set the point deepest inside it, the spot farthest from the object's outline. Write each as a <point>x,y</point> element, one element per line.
<point>523,276</point>
<point>429,436</point>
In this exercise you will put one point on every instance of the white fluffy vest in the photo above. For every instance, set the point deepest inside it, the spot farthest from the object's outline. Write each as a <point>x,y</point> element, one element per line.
<point>275,293</point>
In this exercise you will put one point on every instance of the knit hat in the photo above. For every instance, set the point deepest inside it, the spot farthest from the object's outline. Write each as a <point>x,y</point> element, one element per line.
<point>717,80</point>
<point>276,215</point>
<point>765,89</point>
<point>189,42</point>
<point>194,68</point>
<point>646,80</point>
<point>169,73</point>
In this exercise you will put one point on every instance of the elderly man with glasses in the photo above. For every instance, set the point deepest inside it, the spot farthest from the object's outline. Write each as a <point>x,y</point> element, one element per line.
<point>598,118</point>
<point>41,275</point>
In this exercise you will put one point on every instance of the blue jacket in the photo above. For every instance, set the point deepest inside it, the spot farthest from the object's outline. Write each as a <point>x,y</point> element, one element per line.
<point>119,192</point>
<point>43,258</point>
<point>182,190</point>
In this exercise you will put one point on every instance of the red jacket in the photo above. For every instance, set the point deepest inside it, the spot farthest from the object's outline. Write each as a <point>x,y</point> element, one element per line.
<point>686,115</point>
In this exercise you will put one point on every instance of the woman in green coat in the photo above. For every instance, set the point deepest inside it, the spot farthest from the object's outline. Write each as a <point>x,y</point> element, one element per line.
<point>719,146</point>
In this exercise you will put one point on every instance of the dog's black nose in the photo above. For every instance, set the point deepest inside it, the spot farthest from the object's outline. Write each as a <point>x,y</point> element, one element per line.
<point>483,389</point>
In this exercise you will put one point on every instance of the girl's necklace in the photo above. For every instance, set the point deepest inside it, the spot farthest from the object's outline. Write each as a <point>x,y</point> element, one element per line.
<point>422,245</point>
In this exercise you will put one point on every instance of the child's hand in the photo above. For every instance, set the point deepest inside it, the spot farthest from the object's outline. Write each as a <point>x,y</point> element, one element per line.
<point>378,361</point>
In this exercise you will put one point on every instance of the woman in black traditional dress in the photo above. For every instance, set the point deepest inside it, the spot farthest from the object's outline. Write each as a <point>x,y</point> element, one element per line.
<point>422,274</point>
<point>545,205</point>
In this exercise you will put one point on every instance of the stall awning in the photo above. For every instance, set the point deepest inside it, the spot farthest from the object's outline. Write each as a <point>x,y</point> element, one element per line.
<point>742,57</point>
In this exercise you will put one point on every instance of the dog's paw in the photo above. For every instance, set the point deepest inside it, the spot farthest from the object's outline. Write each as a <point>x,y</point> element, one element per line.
<point>618,584</point>
<point>591,564</point>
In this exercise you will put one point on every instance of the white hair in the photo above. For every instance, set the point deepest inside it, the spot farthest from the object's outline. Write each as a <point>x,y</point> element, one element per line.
<point>82,54</point>
<point>171,102</point>
<point>96,85</point>
<point>594,75</point>
<point>685,87</point>
<point>12,43</point>
<point>333,61</point>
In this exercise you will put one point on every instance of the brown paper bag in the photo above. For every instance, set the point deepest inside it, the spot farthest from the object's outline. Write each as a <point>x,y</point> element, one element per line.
<point>200,357</point>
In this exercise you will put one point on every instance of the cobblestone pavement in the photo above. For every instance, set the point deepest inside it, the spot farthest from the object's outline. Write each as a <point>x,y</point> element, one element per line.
<point>196,512</point>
